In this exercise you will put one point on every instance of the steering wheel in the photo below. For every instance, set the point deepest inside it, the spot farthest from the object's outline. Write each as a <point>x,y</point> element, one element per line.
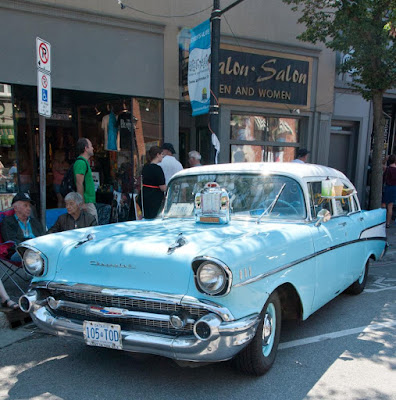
<point>283,202</point>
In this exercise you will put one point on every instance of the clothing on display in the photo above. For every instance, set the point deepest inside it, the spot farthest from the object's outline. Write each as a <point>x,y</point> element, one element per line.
<point>124,123</point>
<point>109,125</point>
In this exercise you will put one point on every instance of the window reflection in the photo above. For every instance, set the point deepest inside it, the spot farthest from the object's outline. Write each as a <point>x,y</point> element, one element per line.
<point>279,137</point>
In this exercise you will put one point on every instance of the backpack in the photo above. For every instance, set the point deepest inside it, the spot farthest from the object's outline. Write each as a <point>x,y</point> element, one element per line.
<point>68,183</point>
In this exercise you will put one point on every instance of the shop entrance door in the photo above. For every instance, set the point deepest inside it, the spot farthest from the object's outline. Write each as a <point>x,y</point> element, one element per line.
<point>343,142</point>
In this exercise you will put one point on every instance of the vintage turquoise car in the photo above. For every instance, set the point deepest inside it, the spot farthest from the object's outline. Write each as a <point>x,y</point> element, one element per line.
<point>237,248</point>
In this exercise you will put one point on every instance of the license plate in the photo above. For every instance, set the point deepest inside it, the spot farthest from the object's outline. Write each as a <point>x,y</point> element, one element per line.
<point>102,334</point>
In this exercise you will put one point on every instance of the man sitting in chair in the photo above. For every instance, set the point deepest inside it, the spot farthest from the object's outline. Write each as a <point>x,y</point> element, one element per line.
<point>21,226</point>
<point>75,216</point>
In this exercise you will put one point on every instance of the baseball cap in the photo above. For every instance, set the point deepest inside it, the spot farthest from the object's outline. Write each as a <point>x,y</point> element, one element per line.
<point>169,147</point>
<point>22,197</point>
<point>302,152</point>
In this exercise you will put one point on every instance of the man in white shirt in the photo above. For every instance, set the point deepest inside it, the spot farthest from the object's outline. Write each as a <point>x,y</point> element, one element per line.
<point>302,156</point>
<point>169,164</point>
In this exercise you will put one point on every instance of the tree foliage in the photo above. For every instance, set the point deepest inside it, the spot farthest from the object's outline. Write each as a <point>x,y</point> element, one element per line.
<point>365,30</point>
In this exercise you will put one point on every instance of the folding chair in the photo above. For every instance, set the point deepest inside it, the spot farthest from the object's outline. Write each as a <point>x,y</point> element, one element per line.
<point>10,269</point>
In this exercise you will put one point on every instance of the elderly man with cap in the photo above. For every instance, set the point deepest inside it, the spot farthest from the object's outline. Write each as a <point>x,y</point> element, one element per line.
<point>302,156</point>
<point>21,226</point>
<point>169,164</point>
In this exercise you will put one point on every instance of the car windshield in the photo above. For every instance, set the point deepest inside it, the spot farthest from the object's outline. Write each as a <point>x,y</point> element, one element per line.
<point>250,195</point>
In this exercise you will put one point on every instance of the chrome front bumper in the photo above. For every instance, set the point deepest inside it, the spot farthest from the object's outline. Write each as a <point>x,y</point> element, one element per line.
<point>225,341</point>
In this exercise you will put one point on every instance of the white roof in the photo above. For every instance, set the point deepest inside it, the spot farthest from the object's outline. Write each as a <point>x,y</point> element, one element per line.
<point>297,170</point>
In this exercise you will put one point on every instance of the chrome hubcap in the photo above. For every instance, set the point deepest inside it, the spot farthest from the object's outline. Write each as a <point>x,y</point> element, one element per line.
<point>267,329</point>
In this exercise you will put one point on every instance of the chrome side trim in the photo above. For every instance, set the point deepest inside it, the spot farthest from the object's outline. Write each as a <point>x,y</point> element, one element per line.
<point>303,259</point>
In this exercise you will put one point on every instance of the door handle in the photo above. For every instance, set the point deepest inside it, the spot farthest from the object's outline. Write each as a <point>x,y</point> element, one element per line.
<point>342,223</point>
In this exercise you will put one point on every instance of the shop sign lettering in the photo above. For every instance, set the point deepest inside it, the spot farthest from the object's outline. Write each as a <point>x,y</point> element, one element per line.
<point>264,77</point>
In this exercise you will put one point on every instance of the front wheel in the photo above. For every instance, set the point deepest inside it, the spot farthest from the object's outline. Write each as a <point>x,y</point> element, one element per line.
<point>259,355</point>
<point>358,286</point>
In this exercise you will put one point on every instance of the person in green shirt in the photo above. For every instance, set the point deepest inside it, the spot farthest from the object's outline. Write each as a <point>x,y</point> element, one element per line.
<point>83,176</point>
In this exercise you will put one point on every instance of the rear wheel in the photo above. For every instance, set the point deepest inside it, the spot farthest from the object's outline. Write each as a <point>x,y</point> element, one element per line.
<point>259,355</point>
<point>358,286</point>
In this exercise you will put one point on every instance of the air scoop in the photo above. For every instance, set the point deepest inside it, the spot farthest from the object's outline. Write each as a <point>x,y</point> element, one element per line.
<point>180,241</point>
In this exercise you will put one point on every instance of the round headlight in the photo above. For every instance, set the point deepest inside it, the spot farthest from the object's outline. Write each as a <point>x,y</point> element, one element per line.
<point>211,278</point>
<point>33,262</point>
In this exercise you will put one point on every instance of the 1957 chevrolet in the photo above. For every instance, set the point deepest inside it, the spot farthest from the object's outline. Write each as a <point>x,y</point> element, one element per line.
<point>237,248</point>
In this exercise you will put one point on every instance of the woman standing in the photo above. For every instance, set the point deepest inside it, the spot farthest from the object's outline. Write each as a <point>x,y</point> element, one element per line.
<point>389,180</point>
<point>153,184</point>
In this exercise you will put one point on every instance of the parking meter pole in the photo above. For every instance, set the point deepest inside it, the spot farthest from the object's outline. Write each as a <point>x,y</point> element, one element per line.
<point>214,72</point>
<point>43,182</point>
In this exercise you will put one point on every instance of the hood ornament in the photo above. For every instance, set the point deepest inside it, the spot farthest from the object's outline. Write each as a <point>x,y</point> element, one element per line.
<point>180,241</point>
<point>89,237</point>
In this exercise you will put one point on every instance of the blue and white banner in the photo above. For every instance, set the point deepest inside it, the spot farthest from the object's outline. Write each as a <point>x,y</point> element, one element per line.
<point>199,69</point>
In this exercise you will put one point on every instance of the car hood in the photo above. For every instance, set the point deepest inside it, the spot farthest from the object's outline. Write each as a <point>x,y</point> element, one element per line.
<point>135,255</point>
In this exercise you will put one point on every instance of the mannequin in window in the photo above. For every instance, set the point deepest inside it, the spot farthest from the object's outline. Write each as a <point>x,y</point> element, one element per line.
<point>124,124</point>
<point>109,126</point>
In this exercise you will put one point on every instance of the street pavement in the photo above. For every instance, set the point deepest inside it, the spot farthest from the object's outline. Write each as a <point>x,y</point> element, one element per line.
<point>347,349</point>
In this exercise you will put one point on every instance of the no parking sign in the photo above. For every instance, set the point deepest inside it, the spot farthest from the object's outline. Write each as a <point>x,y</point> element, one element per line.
<point>44,97</point>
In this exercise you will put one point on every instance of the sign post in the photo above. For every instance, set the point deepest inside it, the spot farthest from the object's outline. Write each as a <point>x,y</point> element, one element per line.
<point>44,103</point>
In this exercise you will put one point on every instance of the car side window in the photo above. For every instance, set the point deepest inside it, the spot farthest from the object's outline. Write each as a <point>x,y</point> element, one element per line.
<point>316,201</point>
<point>343,206</point>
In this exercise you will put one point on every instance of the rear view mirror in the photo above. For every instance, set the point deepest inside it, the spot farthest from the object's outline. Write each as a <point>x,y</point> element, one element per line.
<point>323,216</point>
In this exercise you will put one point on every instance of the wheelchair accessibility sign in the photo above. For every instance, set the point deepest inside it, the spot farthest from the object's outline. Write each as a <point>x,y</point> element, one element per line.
<point>44,94</point>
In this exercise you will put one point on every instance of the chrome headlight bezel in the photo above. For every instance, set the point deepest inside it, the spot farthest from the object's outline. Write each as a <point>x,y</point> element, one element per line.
<point>212,277</point>
<point>33,262</point>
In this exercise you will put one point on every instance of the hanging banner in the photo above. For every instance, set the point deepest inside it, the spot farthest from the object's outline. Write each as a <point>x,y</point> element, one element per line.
<point>199,69</point>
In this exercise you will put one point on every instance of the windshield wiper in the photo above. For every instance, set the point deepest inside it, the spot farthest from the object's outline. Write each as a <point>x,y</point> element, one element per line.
<point>269,209</point>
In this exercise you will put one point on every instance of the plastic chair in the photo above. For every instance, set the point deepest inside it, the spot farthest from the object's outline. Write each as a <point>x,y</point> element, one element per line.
<point>52,214</point>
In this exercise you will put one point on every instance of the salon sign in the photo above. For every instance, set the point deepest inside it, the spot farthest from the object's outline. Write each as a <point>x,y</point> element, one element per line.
<point>258,77</point>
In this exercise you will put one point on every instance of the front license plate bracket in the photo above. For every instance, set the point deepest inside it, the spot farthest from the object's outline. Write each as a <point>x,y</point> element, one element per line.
<point>102,334</point>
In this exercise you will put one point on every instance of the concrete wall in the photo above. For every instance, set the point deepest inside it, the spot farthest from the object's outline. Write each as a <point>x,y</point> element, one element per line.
<point>88,53</point>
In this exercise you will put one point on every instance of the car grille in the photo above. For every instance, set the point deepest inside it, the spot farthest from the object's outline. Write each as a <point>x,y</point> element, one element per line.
<point>124,302</point>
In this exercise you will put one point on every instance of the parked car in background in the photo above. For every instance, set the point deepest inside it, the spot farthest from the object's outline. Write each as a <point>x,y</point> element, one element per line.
<point>237,248</point>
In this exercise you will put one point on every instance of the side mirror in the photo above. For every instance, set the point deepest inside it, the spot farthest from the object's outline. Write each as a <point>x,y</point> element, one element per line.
<point>324,216</point>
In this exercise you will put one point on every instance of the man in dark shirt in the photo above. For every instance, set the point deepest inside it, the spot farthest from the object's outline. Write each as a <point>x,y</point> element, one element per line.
<point>21,226</point>
<point>75,217</point>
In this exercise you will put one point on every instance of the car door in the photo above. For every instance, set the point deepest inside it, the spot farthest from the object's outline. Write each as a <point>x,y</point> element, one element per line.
<point>357,249</point>
<point>331,254</point>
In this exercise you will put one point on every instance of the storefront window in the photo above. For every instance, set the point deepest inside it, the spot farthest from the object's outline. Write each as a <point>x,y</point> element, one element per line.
<point>249,153</point>
<point>8,166</point>
<point>121,129</point>
<point>276,138</point>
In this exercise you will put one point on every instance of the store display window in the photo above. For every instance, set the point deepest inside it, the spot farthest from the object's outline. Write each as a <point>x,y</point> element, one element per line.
<point>8,163</point>
<point>275,138</point>
<point>121,129</point>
